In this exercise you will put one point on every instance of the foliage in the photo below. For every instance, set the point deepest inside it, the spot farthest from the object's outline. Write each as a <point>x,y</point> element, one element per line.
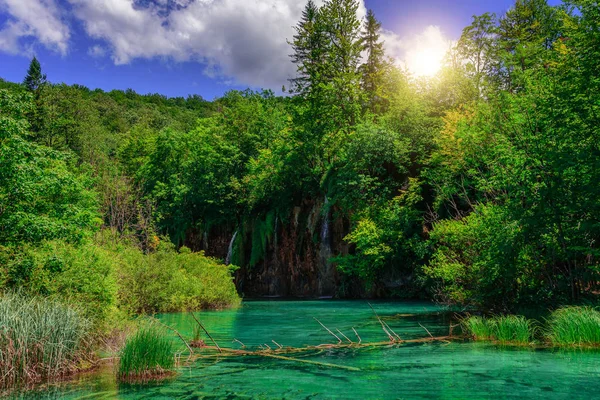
<point>83,275</point>
<point>40,339</point>
<point>170,281</point>
<point>478,184</point>
<point>147,354</point>
<point>34,80</point>
<point>475,261</point>
<point>375,66</point>
<point>388,236</point>
<point>42,195</point>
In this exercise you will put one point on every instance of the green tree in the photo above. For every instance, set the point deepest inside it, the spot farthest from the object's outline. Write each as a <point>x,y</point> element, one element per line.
<point>343,32</point>
<point>35,79</point>
<point>309,49</point>
<point>526,34</point>
<point>42,195</point>
<point>477,46</point>
<point>374,67</point>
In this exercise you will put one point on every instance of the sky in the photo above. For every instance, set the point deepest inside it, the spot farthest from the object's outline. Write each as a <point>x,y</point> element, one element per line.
<point>204,47</point>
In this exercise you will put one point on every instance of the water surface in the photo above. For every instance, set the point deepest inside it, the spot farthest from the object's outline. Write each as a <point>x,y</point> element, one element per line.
<point>458,370</point>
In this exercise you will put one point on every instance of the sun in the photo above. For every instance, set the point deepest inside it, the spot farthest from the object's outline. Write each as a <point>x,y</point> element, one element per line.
<point>425,54</point>
<point>426,62</point>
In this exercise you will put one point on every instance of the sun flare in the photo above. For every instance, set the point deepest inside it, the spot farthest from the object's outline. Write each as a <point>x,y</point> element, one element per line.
<point>425,56</point>
<point>427,62</point>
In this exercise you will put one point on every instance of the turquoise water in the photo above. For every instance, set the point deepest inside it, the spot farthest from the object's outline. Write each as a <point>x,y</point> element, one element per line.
<point>457,370</point>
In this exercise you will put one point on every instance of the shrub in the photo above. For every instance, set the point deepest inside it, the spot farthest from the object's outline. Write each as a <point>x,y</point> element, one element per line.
<point>77,274</point>
<point>167,281</point>
<point>39,339</point>
<point>147,354</point>
<point>476,260</point>
<point>574,326</point>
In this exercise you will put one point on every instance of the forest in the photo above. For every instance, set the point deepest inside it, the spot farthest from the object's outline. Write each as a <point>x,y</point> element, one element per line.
<point>476,187</point>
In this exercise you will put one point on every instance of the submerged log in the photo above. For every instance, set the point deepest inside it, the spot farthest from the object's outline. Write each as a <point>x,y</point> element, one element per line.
<point>284,353</point>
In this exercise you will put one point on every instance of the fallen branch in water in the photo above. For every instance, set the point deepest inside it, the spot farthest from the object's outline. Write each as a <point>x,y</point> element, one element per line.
<point>385,327</point>
<point>284,353</point>
<point>176,332</point>
<point>328,330</point>
<point>346,337</point>
<point>320,364</point>
<point>430,335</point>
<point>356,333</point>
<point>205,331</point>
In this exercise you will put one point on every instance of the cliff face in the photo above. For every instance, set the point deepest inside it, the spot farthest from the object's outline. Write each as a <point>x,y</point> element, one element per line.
<point>290,256</point>
<point>296,252</point>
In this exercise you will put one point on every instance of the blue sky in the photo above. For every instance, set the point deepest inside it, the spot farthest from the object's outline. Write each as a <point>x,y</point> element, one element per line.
<point>205,47</point>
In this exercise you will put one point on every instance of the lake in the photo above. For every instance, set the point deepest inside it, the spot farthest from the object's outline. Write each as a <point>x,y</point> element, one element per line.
<point>456,370</point>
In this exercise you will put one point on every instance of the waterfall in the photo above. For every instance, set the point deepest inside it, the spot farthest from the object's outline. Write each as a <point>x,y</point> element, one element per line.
<point>326,273</point>
<point>275,236</point>
<point>230,249</point>
<point>205,241</point>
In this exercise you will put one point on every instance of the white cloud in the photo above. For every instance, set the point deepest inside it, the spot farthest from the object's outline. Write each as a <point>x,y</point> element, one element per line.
<point>33,18</point>
<point>241,39</point>
<point>422,54</point>
<point>237,41</point>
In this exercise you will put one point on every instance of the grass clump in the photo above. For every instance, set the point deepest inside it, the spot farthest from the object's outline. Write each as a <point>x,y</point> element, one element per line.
<point>148,354</point>
<point>574,327</point>
<point>514,329</point>
<point>478,327</point>
<point>40,339</point>
<point>509,329</point>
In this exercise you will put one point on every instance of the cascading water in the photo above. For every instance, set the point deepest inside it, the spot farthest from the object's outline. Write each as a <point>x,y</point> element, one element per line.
<point>205,241</point>
<point>230,249</point>
<point>326,272</point>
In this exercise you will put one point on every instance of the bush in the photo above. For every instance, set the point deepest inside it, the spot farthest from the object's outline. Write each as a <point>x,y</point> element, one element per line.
<point>574,327</point>
<point>147,354</point>
<point>476,261</point>
<point>39,339</point>
<point>511,329</point>
<point>86,275</point>
<point>78,274</point>
<point>168,281</point>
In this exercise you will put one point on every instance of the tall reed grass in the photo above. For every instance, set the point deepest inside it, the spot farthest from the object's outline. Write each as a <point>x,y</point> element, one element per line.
<point>40,339</point>
<point>146,355</point>
<point>574,327</point>
<point>509,329</point>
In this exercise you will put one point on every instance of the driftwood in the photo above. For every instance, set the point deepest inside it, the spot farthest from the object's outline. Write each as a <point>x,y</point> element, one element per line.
<point>176,332</point>
<point>205,331</point>
<point>328,330</point>
<point>284,353</point>
<point>386,328</point>
<point>356,333</point>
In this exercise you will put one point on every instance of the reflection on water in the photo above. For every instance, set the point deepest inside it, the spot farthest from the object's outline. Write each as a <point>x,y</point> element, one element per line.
<point>417,371</point>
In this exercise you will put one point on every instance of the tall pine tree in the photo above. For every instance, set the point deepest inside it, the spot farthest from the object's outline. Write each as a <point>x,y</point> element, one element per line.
<point>309,50</point>
<point>343,32</point>
<point>35,79</point>
<point>374,67</point>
